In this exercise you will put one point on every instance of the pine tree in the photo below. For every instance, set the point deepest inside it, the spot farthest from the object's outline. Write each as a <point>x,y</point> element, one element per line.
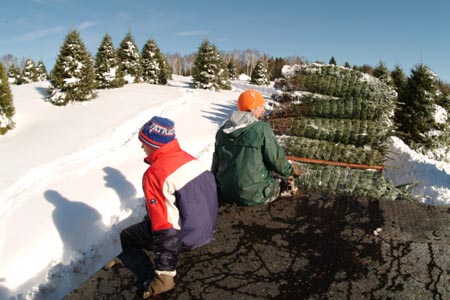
<point>29,72</point>
<point>209,70</point>
<point>398,79</point>
<point>14,75</point>
<point>260,75</point>
<point>416,116</point>
<point>232,70</point>
<point>347,65</point>
<point>275,66</point>
<point>6,103</point>
<point>129,57</point>
<point>154,65</point>
<point>332,61</point>
<point>381,72</point>
<point>41,71</point>
<point>73,76</point>
<point>108,70</point>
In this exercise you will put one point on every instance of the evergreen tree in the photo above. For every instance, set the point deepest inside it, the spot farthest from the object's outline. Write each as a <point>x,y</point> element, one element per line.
<point>29,72</point>
<point>14,75</point>
<point>129,57</point>
<point>6,103</point>
<point>41,71</point>
<point>165,73</point>
<point>398,79</point>
<point>275,66</point>
<point>347,65</point>
<point>260,75</point>
<point>154,65</point>
<point>332,61</point>
<point>232,70</point>
<point>73,76</point>
<point>108,70</point>
<point>416,116</point>
<point>381,72</point>
<point>209,70</point>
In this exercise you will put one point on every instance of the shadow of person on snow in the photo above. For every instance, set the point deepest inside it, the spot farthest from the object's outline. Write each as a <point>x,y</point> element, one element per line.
<point>221,112</point>
<point>77,223</point>
<point>135,260</point>
<point>124,189</point>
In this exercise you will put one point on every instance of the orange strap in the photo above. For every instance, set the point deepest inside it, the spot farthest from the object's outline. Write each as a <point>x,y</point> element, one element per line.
<point>334,163</point>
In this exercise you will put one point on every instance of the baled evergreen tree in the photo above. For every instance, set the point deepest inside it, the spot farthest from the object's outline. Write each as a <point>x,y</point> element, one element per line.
<point>6,103</point>
<point>29,72</point>
<point>381,72</point>
<point>260,75</point>
<point>209,70</point>
<point>73,77</point>
<point>332,61</point>
<point>129,57</point>
<point>416,116</point>
<point>41,71</point>
<point>108,69</point>
<point>14,75</point>
<point>154,66</point>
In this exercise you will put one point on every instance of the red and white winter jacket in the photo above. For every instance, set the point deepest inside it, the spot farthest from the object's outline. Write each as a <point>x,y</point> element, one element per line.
<point>181,200</point>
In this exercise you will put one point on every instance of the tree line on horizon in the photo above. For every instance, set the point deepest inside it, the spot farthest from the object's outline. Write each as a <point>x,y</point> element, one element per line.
<point>76,75</point>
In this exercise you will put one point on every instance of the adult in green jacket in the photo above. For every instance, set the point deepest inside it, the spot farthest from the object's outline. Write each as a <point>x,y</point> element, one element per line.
<point>246,154</point>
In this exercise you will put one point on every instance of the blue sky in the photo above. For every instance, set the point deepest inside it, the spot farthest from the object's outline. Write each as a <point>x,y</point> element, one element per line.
<point>402,32</point>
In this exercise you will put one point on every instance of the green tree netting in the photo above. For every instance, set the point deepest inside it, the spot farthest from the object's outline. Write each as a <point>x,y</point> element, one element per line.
<point>339,82</point>
<point>311,105</point>
<point>330,151</point>
<point>348,182</point>
<point>345,131</point>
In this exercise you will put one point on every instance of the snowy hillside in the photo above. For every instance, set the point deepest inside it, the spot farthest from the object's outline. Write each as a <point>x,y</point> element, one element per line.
<point>71,176</point>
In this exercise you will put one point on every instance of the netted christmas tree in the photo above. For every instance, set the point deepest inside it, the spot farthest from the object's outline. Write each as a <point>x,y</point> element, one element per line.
<point>41,71</point>
<point>260,74</point>
<point>154,65</point>
<point>29,72</point>
<point>14,75</point>
<point>334,122</point>
<point>130,59</point>
<point>6,103</point>
<point>108,69</point>
<point>209,70</point>
<point>73,77</point>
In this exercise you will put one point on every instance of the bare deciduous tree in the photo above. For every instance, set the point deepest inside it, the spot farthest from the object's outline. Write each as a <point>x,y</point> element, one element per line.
<point>9,60</point>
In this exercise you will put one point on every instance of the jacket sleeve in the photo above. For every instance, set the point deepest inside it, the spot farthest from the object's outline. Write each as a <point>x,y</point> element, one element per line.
<point>166,238</point>
<point>215,161</point>
<point>273,154</point>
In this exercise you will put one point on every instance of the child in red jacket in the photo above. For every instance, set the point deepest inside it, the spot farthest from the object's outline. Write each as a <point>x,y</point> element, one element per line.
<point>181,201</point>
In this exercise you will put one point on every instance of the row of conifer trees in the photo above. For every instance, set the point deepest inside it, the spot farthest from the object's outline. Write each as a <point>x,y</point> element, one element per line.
<point>77,74</point>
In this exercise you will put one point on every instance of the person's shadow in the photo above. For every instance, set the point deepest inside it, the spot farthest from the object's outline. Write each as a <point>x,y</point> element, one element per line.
<point>135,260</point>
<point>78,224</point>
<point>124,189</point>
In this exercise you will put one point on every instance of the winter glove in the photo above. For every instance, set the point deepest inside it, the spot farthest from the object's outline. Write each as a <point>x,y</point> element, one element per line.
<point>161,283</point>
<point>296,170</point>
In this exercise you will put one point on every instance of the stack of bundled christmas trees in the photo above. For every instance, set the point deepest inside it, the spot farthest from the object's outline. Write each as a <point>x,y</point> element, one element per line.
<point>338,120</point>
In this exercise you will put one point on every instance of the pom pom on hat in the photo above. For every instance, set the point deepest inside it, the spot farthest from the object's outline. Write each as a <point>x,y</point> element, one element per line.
<point>157,132</point>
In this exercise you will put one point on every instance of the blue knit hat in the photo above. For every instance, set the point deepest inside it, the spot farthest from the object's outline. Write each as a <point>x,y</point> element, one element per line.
<point>157,132</point>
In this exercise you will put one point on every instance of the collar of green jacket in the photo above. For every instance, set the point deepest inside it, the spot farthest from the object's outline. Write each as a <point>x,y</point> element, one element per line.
<point>238,120</point>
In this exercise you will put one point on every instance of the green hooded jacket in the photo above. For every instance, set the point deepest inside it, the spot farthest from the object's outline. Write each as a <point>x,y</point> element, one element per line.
<point>245,155</point>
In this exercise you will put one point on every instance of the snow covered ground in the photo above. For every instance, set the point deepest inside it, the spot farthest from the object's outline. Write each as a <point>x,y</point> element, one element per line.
<point>71,176</point>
